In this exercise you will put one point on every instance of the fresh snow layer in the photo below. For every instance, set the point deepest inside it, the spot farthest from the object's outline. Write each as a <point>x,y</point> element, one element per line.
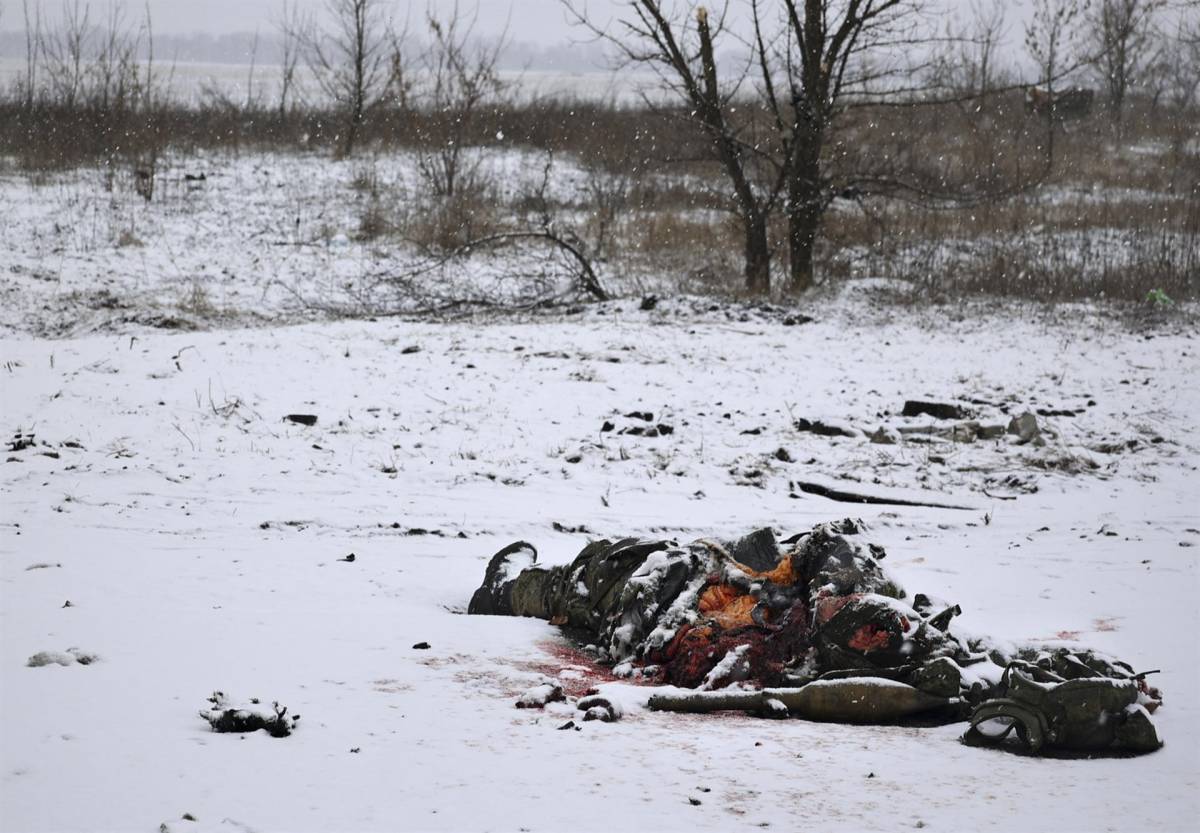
<point>200,540</point>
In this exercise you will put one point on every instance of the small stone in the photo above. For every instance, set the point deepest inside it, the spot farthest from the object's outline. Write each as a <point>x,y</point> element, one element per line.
<point>793,320</point>
<point>538,696</point>
<point>824,429</point>
<point>421,646</point>
<point>1025,427</point>
<point>885,436</point>
<point>991,432</point>
<point>937,410</point>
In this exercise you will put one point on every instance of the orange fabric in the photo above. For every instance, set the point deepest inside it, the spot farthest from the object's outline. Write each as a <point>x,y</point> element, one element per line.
<point>717,597</point>
<point>781,573</point>
<point>736,614</point>
<point>727,606</point>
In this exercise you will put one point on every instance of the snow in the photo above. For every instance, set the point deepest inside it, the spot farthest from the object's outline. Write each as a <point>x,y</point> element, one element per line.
<point>731,668</point>
<point>880,682</point>
<point>538,696</point>
<point>984,672</point>
<point>681,611</point>
<point>43,658</point>
<point>512,566</point>
<point>200,538</point>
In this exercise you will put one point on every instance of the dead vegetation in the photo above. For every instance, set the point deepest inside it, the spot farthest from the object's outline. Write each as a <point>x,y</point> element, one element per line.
<point>1060,211</point>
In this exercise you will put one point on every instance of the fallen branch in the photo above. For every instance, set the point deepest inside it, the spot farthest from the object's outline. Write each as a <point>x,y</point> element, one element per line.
<point>854,497</point>
<point>588,280</point>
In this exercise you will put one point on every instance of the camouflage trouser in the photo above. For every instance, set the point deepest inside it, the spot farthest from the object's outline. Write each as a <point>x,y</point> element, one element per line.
<point>582,594</point>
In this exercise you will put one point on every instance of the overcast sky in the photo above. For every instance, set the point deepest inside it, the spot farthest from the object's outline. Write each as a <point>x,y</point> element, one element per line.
<point>543,23</point>
<point>531,21</point>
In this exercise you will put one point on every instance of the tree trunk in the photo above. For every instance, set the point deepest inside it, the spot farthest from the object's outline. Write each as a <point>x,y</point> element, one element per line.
<point>805,205</point>
<point>352,128</point>
<point>758,255</point>
<point>803,223</point>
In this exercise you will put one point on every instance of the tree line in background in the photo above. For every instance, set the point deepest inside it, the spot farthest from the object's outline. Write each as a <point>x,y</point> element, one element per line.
<point>790,105</point>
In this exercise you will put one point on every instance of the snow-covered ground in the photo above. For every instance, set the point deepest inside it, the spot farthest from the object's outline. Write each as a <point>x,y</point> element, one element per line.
<point>200,538</point>
<point>264,238</point>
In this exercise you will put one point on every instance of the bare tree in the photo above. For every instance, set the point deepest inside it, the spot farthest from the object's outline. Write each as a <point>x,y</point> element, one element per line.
<point>1184,63</point>
<point>114,65</point>
<point>972,66</point>
<point>834,56</point>
<point>356,60</point>
<point>771,120</point>
<point>252,100</point>
<point>1120,34</point>
<point>459,76</point>
<point>1051,40</point>
<point>33,39</point>
<point>682,49</point>
<point>64,53</point>
<point>1179,76</point>
<point>289,24</point>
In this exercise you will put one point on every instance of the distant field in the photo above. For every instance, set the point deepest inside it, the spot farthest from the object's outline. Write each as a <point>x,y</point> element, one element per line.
<point>190,82</point>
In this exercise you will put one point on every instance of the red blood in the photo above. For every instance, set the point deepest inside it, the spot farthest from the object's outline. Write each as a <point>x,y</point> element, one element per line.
<point>565,655</point>
<point>695,651</point>
<point>869,638</point>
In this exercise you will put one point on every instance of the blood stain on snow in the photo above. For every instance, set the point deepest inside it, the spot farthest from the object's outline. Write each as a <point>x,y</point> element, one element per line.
<point>583,673</point>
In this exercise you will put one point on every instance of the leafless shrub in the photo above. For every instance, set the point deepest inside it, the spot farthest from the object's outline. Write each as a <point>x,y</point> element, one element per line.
<point>1120,35</point>
<point>289,24</point>
<point>373,222</point>
<point>448,223</point>
<point>358,61</point>
<point>460,76</point>
<point>1107,249</point>
<point>1112,217</point>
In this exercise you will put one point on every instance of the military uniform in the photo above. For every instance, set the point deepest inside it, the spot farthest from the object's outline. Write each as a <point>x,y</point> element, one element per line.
<point>817,606</point>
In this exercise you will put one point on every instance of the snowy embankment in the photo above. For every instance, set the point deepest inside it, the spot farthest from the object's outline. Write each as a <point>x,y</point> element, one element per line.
<point>202,543</point>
